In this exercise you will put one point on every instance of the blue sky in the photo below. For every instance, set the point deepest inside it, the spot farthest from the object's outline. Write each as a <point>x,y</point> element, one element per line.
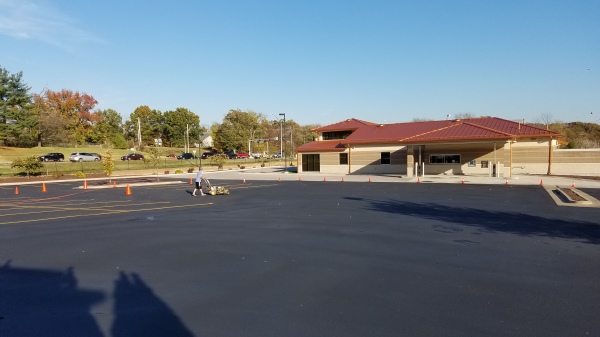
<point>318,61</point>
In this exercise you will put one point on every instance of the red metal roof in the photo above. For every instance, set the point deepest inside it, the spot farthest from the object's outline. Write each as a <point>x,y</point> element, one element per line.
<point>348,124</point>
<point>322,146</point>
<point>483,128</point>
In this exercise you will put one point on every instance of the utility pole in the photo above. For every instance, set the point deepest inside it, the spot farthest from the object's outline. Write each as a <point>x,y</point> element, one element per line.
<point>285,146</point>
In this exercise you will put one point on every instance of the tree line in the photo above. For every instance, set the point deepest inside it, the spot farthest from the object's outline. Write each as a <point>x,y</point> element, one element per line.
<point>67,117</point>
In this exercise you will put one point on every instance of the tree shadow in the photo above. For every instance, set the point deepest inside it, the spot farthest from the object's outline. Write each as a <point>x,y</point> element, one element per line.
<point>139,312</point>
<point>40,302</point>
<point>508,222</point>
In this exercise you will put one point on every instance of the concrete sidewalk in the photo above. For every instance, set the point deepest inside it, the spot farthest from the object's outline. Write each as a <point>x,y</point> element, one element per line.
<point>278,174</point>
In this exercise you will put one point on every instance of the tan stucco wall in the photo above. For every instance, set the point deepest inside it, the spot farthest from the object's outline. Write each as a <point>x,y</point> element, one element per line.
<point>529,156</point>
<point>576,162</point>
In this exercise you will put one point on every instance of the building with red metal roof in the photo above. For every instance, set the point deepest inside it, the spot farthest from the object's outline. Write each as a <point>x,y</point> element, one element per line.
<point>473,146</point>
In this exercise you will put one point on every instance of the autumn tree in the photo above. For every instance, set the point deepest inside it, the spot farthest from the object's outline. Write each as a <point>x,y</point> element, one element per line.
<point>52,128</point>
<point>108,165</point>
<point>235,131</point>
<point>76,110</point>
<point>179,124</point>
<point>18,121</point>
<point>109,129</point>
<point>150,123</point>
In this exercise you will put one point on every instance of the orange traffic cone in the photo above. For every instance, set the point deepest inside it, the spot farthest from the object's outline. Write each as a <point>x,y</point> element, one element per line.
<point>43,187</point>
<point>369,179</point>
<point>573,184</point>
<point>114,184</point>
<point>418,180</point>
<point>506,181</point>
<point>324,179</point>
<point>541,182</point>
<point>342,179</point>
<point>279,179</point>
<point>191,181</point>
<point>85,185</point>
<point>463,181</point>
<point>244,181</point>
<point>128,190</point>
<point>299,178</point>
<point>16,190</point>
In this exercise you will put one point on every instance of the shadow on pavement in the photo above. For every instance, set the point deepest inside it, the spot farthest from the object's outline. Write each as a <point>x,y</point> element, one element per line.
<point>43,302</point>
<point>39,302</point>
<point>516,223</point>
<point>139,312</point>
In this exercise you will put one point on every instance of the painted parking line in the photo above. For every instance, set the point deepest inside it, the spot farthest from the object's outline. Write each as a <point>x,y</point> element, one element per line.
<point>105,212</point>
<point>53,209</point>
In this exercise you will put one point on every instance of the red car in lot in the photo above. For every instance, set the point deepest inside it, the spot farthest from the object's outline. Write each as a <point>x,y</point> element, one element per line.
<point>242,155</point>
<point>132,156</point>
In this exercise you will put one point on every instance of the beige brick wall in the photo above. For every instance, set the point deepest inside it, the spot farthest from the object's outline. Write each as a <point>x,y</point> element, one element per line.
<point>528,157</point>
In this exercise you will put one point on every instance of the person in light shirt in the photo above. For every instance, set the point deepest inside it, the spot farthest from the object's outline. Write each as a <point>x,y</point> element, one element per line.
<point>198,182</point>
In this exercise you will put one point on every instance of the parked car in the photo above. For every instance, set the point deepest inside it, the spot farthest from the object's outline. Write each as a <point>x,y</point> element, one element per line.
<point>97,154</point>
<point>242,155</point>
<point>83,156</point>
<point>257,155</point>
<point>206,155</point>
<point>186,155</point>
<point>52,157</point>
<point>276,155</point>
<point>230,154</point>
<point>132,156</point>
<point>171,155</point>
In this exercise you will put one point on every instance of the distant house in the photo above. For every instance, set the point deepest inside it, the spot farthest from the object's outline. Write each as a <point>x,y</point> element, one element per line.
<point>206,140</point>
<point>476,146</point>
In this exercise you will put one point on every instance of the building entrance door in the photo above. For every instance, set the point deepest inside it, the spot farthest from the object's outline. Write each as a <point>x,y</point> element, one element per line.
<point>311,163</point>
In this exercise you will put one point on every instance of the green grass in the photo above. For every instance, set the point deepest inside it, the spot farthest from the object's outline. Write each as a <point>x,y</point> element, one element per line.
<point>9,154</point>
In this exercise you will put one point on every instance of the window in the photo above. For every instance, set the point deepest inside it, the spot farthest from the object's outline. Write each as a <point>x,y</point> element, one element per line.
<point>444,159</point>
<point>385,158</point>
<point>336,135</point>
<point>343,159</point>
<point>472,163</point>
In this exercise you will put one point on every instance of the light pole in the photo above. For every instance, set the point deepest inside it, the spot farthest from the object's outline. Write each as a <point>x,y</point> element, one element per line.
<point>280,135</point>
<point>285,148</point>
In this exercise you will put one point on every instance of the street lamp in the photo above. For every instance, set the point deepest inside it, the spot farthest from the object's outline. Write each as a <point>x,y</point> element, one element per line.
<point>199,142</point>
<point>285,149</point>
<point>280,135</point>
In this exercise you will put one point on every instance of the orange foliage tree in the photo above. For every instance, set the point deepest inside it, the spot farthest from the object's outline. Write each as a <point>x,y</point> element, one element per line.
<point>76,111</point>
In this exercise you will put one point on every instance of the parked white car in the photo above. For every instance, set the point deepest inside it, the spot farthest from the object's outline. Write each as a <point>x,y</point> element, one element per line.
<point>84,156</point>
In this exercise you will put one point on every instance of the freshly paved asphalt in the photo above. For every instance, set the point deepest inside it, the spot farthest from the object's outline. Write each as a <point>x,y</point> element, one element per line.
<point>296,258</point>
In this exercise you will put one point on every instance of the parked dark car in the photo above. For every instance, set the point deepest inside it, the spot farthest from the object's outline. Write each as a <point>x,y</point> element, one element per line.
<point>52,157</point>
<point>133,156</point>
<point>230,154</point>
<point>206,155</point>
<point>186,155</point>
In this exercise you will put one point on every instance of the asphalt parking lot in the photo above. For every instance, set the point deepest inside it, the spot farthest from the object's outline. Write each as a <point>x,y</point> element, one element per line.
<point>296,258</point>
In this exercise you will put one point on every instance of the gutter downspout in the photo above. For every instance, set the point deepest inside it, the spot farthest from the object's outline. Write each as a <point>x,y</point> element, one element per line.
<point>550,156</point>
<point>349,159</point>
<point>511,160</point>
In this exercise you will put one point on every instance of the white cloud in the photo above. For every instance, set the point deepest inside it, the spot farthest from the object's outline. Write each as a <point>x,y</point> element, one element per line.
<point>36,20</point>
